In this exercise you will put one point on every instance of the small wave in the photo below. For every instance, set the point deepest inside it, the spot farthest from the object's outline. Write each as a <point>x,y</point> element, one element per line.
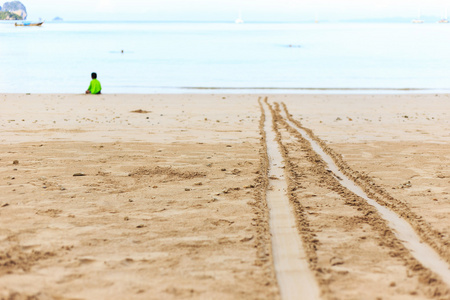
<point>305,88</point>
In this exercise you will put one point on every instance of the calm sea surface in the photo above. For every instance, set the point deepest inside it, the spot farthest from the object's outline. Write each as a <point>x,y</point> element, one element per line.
<point>225,57</point>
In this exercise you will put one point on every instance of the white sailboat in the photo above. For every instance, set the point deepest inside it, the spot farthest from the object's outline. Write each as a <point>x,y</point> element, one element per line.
<point>444,19</point>
<point>418,20</point>
<point>239,19</point>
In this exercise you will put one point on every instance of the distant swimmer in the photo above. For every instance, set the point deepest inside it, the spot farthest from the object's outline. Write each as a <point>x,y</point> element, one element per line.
<point>95,87</point>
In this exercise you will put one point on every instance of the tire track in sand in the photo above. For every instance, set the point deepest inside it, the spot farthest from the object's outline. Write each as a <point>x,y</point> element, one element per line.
<point>351,248</point>
<point>295,279</point>
<point>422,252</point>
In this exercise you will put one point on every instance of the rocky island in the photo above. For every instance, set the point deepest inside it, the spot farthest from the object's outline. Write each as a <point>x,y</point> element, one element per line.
<point>13,10</point>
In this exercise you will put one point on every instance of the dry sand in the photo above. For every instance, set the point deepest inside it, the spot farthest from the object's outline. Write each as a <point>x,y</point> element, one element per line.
<point>170,204</point>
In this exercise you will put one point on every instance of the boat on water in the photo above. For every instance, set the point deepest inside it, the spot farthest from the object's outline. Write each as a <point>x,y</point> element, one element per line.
<point>239,20</point>
<point>418,20</point>
<point>29,24</point>
<point>444,19</point>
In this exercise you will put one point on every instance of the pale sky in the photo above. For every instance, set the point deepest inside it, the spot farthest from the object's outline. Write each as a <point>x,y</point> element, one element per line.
<point>223,10</point>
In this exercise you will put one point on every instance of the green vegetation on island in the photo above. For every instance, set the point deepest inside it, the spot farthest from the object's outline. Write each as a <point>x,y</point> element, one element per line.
<point>13,10</point>
<point>6,15</point>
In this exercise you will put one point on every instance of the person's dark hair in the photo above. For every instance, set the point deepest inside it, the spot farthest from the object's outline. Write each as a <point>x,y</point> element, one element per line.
<point>94,75</point>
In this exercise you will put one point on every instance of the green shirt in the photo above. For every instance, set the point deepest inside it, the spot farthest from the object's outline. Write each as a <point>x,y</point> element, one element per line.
<point>95,87</point>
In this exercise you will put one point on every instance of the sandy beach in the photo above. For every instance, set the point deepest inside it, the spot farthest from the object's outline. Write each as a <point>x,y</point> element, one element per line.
<point>164,196</point>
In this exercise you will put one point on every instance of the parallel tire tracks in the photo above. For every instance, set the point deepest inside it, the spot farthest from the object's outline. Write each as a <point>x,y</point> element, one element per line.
<point>431,284</point>
<point>295,279</point>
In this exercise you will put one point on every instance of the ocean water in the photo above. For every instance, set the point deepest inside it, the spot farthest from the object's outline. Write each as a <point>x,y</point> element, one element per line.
<point>171,57</point>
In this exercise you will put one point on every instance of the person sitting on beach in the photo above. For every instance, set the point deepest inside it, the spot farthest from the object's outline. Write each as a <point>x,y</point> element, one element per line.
<point>95,87</point>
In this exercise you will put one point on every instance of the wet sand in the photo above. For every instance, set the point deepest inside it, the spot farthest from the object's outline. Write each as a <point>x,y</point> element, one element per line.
<point>169,201</point>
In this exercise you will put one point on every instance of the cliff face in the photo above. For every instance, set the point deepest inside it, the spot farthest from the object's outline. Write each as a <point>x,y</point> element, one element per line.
<point>14,7</point>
